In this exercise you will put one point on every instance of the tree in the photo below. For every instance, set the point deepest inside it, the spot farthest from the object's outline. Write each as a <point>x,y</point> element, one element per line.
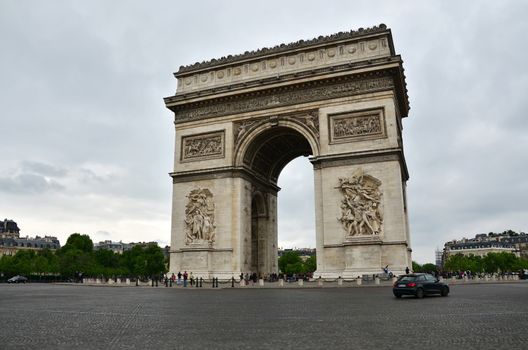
<point>154,260</point>
<point>78,241</point>
<point>429,268</point>
<point>416,267</point>
<point>311,264</point>
<point>290,258</point>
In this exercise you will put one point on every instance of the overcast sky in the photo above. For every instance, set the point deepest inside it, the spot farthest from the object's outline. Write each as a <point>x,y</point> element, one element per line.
<point>87,144</point>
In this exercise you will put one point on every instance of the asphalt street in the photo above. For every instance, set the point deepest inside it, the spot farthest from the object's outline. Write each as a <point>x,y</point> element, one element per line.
<point>45,316</point>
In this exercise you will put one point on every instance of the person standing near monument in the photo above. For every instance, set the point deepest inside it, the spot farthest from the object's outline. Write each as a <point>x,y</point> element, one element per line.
<point>407,270</point>
<point>185,275</point>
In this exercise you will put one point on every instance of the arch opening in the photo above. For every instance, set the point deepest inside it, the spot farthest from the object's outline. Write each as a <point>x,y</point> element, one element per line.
<point>270,151</point>
<point>266,155</point>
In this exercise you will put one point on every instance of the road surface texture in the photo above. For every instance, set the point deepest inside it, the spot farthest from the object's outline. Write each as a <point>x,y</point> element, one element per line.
<point>45,316</point>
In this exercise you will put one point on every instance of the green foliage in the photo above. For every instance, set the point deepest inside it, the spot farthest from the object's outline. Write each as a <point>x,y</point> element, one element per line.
<point>492,262</point>
<point>78,241</point>
<point>291,262</point>
<point>311,264</point>
<point>77,255</point>
<point>416,267</point>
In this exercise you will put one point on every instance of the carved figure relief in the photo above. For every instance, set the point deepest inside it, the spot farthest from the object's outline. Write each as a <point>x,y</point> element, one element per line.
<point>311,120</point>
<point>240,129</point>
<point>199,217</point>
<point>357,125</point>
<point>361,207</point>
<point>206,146</point>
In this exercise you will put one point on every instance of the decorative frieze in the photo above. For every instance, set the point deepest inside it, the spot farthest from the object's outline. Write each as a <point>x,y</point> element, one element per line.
<point>203,146</point>
<point>199,218</point>
<point>361,206</point>
<point>286,97</point>
<point>357,125</point>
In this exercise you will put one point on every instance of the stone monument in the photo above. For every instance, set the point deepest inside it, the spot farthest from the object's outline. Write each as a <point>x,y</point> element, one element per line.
<point>340,100</point>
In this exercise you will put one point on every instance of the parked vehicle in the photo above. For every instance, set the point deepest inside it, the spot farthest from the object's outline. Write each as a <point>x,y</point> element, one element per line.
<point>419,285</point>
<point>17,279</point>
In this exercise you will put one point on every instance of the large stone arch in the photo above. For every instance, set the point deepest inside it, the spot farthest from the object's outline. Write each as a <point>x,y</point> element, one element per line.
<point>239,120</point>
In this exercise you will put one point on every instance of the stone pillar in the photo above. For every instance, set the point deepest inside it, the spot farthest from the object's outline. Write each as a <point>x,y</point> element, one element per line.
<point>319,282</point>
<point>281,282</point>
<point>339,281</point>
<point>358,281</point>
<point>377,280</point>
<point>301,282</point>
<point>261,282</point>
<point>128,281</point>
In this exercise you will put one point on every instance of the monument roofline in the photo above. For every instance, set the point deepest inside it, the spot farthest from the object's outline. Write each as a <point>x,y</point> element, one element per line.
<point>282,48</point>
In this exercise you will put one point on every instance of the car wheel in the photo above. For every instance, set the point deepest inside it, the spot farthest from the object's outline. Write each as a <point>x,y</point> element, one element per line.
<point>419,293</point>
<point>444,292</point>
<point>397,295</point>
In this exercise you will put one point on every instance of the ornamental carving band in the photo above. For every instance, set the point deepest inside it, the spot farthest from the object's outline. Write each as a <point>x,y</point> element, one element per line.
<point>361,207</point>
<point>290,97</point>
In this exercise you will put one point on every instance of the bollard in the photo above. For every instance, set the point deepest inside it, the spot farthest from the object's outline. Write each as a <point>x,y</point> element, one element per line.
<point>377,280</point>
<point>217,282</point>
<point>201,281</point>
<point>232,282</point>
<point>301,282</point>
<point>281,282</point>
<point>261,282</point>
<point>242,283</point>
<point>339,281</point>
<point>319,282</point>
<point>128,281</point>
<point>358,281</point>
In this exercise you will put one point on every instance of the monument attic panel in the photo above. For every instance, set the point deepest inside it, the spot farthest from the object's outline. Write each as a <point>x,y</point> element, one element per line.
<point>330,50</point>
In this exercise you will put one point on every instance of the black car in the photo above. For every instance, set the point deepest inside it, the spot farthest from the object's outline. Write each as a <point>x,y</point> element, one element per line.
<point>17,279</point>
<point>419,285</point>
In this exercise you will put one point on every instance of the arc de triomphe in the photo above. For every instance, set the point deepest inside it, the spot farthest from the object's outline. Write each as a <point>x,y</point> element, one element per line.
<point>239,120</point>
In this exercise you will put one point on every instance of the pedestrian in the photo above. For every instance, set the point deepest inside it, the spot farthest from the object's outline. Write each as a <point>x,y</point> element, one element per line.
<point>185,276</point>
<point>191,278</point>
<point>407,270</point>
<point>179,278</point>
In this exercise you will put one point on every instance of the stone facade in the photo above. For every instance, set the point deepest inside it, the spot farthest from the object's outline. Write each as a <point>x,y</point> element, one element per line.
<point>239,120</point>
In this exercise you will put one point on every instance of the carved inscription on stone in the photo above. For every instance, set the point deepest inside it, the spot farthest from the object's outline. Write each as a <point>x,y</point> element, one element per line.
<point>361,207</point>
<point>199,218</point>
<point>203,146</point>
<point>357,125</point>
<point>289,97</point>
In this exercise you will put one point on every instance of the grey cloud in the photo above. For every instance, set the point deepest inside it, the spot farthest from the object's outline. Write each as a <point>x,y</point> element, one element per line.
<point>42,169</point>
<point>29,184</point>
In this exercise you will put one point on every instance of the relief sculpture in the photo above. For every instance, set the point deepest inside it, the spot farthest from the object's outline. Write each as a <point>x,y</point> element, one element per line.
<point>199,217</point>
<point>361,208</point>
<point>357,126</point>
<point>203,146</point>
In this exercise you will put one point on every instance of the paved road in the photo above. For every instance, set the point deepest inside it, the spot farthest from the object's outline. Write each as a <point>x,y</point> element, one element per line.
<point>38,316</point>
